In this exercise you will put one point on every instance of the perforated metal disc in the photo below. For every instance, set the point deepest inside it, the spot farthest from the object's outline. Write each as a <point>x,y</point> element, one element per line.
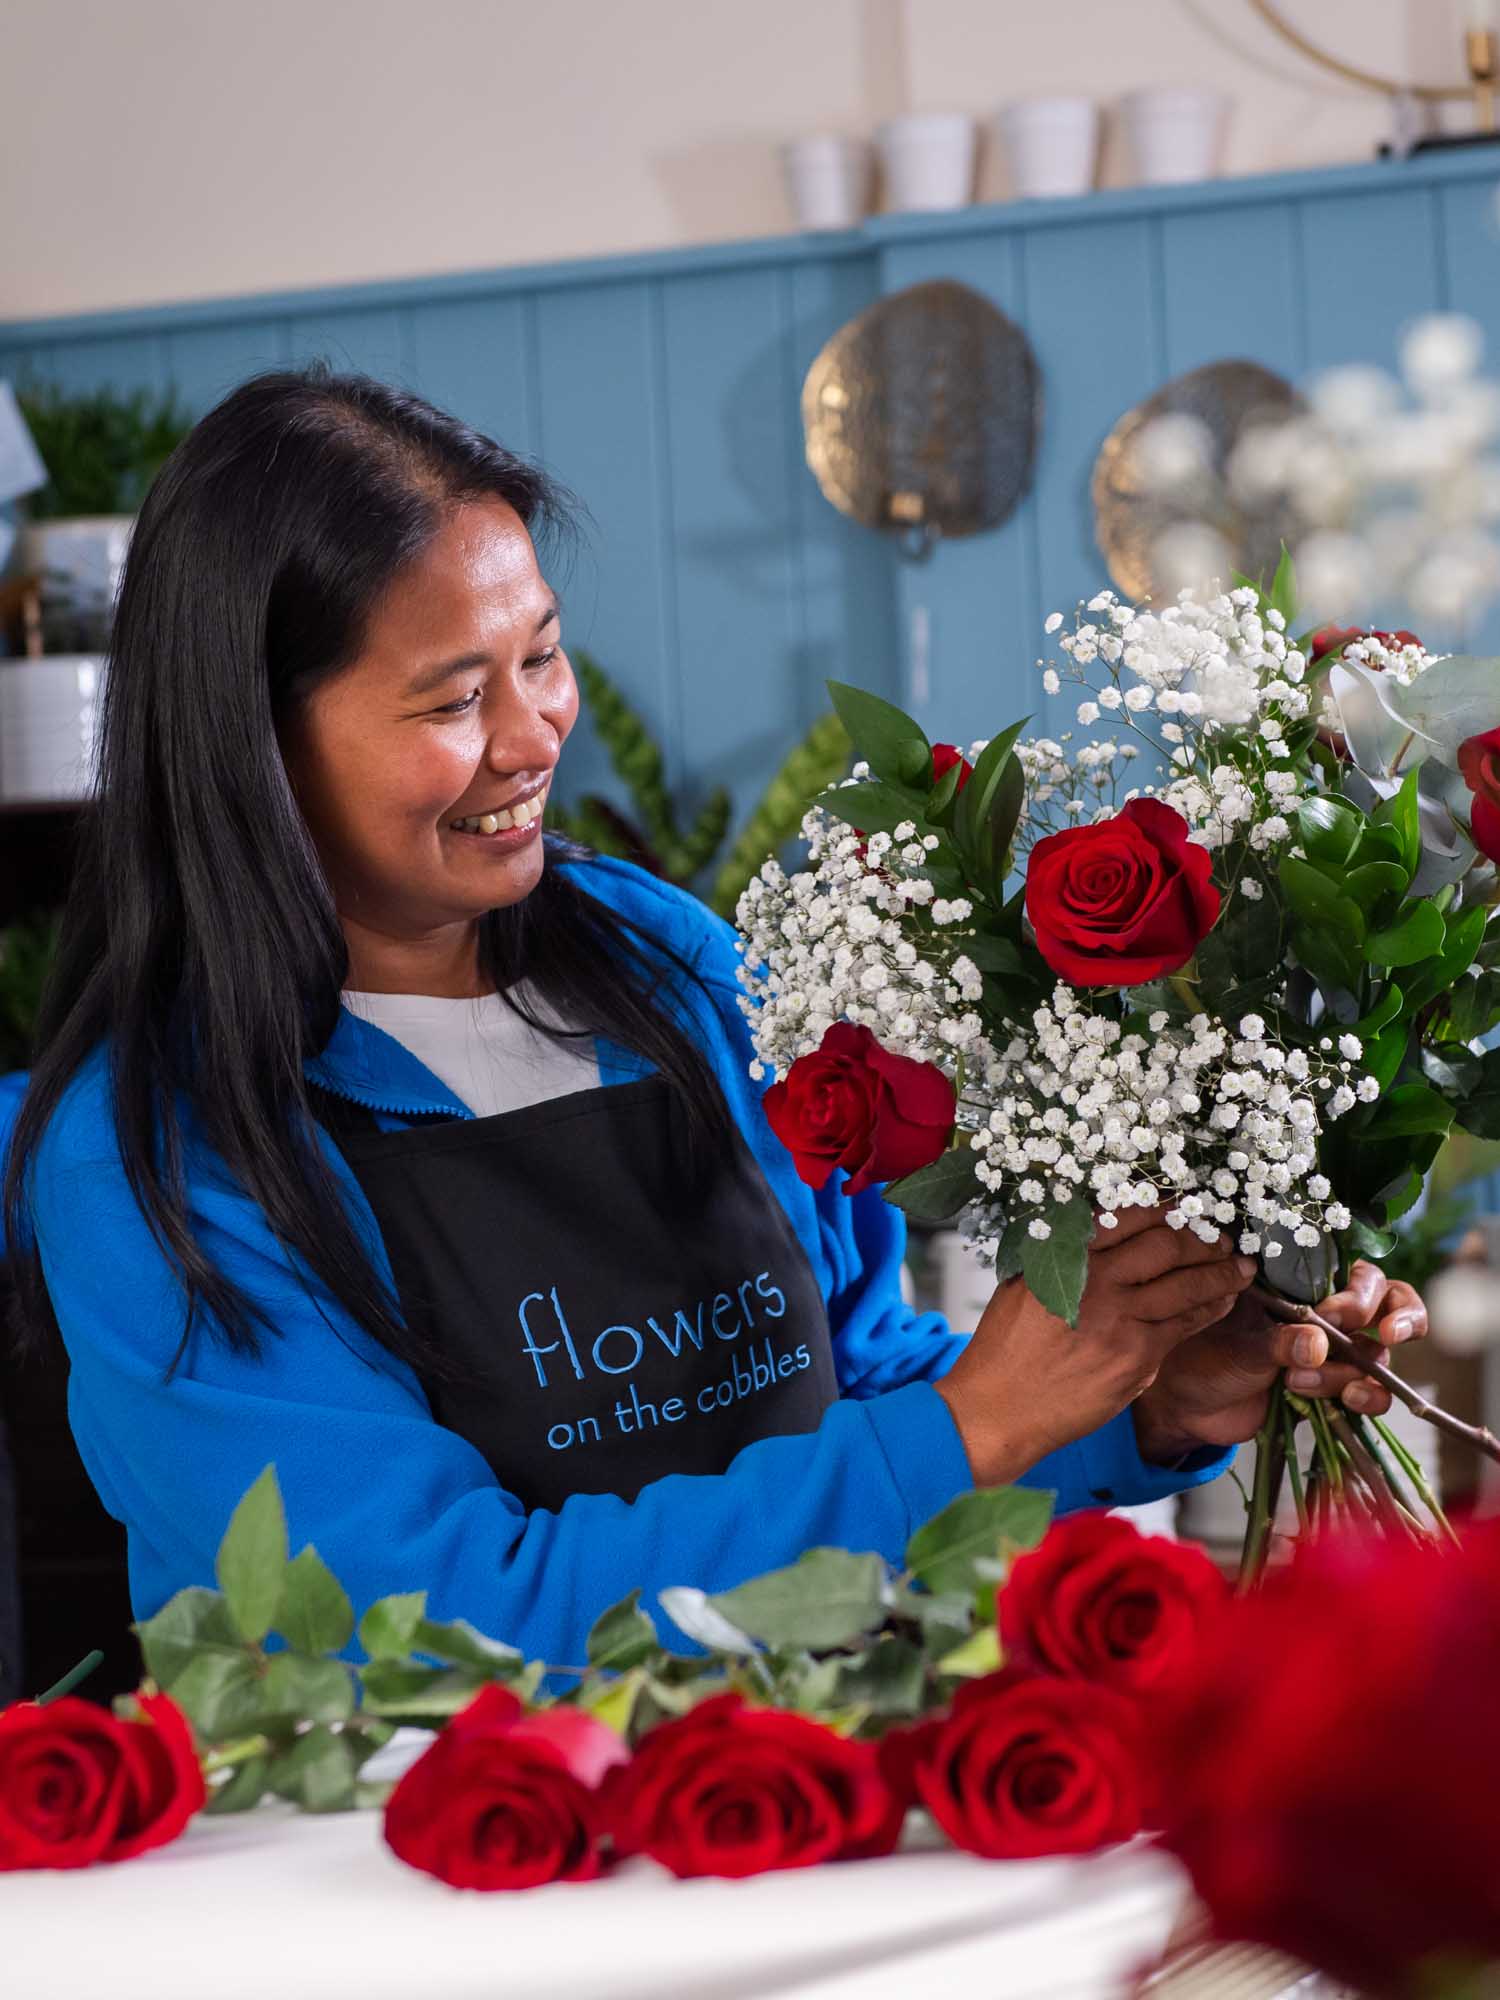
<point>921,415</point>
<point>1132,513</point>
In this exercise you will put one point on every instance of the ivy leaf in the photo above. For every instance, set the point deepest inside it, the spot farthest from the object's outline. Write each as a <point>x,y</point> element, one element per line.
<point>252,1559</point>
<point>623,1636</point>
<point>894,747</point>
<point>389,1627</point>
<point>935,1192</point>
<point>979,1526</point>
<point>315,1615</point>
<point>826,1598</point>
<point>1056,1266</point>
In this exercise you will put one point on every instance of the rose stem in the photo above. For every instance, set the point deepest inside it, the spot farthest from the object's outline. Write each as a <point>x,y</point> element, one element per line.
<point>1361,1430</point>
<point>1349,1350</point>
<point>1393,1517</point>
<point>1413,1470</point>
<point>1294,1471</point>
<point>1267,1486</point>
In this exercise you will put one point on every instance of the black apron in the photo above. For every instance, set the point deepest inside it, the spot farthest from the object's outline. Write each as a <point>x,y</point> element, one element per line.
<point>604,1316</point>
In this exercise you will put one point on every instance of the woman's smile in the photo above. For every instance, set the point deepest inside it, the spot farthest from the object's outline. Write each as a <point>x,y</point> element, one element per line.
<point>509,826</point>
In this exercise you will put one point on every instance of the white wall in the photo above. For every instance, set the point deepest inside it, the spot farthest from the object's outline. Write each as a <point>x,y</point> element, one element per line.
<point>155,150</point>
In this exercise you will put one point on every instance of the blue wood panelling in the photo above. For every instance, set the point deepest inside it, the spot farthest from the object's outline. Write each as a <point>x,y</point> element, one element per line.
<point>716,583</point>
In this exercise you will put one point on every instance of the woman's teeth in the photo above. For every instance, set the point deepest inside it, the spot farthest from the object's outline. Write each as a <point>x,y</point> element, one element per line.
<point>501,822</point>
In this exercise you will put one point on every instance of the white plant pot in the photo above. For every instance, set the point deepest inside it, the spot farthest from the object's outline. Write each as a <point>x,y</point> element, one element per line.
<point>80,562</point>
<point>48,727</point>
<point>1175,134</point>
<point>928,160</point>
<point>1053,144</point>
<point>829,178</point>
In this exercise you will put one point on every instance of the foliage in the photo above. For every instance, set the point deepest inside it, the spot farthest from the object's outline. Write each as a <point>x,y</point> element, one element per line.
<point>836,1634</point>
<point>654,837</point>
<point>101,447</point>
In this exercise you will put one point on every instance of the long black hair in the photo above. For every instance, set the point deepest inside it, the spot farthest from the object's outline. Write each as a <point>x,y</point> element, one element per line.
<point>200,934</point>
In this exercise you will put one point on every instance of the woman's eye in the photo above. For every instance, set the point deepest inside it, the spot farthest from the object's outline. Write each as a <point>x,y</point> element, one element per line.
<point>459,707</point>
<point>543,659</point>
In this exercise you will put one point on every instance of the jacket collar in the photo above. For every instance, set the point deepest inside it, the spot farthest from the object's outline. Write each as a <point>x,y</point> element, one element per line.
<point>362,1062</point>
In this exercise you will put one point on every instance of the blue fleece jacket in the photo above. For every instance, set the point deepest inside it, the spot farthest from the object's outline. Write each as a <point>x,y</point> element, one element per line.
<point>391,1499</point>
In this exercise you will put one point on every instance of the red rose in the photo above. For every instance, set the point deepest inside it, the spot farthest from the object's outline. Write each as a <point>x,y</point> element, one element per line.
<point>1121,902</point>
<point>78,1784</point>
<point>1104,1602</point>
<point>852,1104</point>
<point>1025,1765</point>
<point>1334,638</point>
<point>1479,764</point>
<point>944,757</point>
<point>731,1790</point>
<point>504,1799</point>
<point>1328,1775</point>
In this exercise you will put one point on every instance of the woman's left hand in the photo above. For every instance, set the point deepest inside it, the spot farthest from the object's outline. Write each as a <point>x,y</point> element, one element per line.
<point>1213,1388</point>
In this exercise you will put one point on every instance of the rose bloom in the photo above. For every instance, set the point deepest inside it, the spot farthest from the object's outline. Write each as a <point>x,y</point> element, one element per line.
<point>1106,1603</point>
<point>505,1799</point>
<point>1025,1765</point>
<point>944,757</point>
<point>1123,901</point>
<point>1329,1775</point>
<point>1479,765</point>
<point>855,1105</point>
<point>79,1784</point>
<point>728,1789</point>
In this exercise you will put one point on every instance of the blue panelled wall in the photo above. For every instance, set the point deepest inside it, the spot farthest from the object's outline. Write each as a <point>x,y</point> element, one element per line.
<point>716,583</point>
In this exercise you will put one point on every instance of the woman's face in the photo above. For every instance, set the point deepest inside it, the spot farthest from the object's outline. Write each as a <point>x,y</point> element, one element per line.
<point>423,768</point>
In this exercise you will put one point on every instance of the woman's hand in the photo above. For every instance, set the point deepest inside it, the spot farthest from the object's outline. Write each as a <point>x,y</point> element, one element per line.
<point>1028,1383</point>
<point>1213,1390</point>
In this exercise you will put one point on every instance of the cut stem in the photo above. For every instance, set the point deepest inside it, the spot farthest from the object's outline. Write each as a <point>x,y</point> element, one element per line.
<point>1411,1466</point>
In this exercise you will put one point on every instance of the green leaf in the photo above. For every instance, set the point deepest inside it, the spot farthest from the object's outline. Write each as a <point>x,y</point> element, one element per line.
<point>194,1621</point>
<point>407,1692</point>
<point>935,1192</point>
<point>1408,1109</point>
<point>1480,1113</point>
<point>979,1654</point>
<point>1317,902</point>
<point>1361,1239</point>
<point>252,1559</point>
<point>1465,934</point>
<point>871,806</point>
<point>996,954</point>
<point>997,783</point>
<point>243,1788</point>
<point>219,1693</point>
<point>1401,813</point>
<point>1056,1267</point>
<point>890,1679</point>
<point>1330,828</point>
<point>942,801</point>
<point>306,1689</point>
<point>461,1644</point>
<point>1374,883</point>
<point>692,1609</point>
<point>894,747</point>
<point>1417,934</point>
<point>315,1615</point>
<point>318,1772</point>
<point>1452,1069</point>
<point>1283,592</point>
<point>623,1636</point>
<point>1384,1055</point>
<point>826,1598</point>
<point>1385,1010</point>
<point>613,1702</point>
<point>390,1625</point>
<point>1000,829</point>
<point>990,1522</point>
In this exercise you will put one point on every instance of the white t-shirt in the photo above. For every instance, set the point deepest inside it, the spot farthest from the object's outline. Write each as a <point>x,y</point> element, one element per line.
<point>487,1055</point>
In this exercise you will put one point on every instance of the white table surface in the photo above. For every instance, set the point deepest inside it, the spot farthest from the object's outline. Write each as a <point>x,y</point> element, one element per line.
<point>277,1905</point>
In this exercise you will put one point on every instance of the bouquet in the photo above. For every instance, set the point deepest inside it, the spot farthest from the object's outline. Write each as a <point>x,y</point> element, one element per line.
<point>1232,946</point>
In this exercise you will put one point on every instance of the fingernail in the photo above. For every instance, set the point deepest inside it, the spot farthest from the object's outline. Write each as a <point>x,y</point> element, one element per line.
<point>1403,1325</point>
<point>1304,1381</point>
<point>1245,1266</point>
<point>1309,1348</point>
<point>1357,1396</point>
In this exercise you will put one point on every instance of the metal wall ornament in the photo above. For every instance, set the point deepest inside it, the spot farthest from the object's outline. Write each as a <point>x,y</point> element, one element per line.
<point>921,415</point>
<point>1167,501</point>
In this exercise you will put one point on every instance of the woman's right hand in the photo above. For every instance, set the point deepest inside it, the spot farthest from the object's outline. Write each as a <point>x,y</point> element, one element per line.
<point>1028,1383</point>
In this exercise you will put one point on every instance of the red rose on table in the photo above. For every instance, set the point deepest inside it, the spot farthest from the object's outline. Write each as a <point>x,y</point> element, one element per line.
<point>732,1790</point>
<point>1355,1830</point>
<point>1103,1602</point>
<point>1479,764</point>
<point>1123,901</point>
<point>855,1105</point>
<point>79,1785</point>
<point>944,757</point>
<point>505,1799</point>
<point>1024,1765</point>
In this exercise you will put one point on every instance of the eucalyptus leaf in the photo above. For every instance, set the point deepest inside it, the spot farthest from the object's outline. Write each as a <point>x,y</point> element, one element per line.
<point>252,1559</point>
<point>989,1522</point>
<point>826,1598</point>
<point>940,1190</point>
<point>315,1615</point>
<point>1056,1267</point>
<point>1451,701</point>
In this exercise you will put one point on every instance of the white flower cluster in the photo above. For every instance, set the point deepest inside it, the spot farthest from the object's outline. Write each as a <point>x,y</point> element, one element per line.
<point>1187,679</point>
<point>857,935</point>
<point>1222,1124</point>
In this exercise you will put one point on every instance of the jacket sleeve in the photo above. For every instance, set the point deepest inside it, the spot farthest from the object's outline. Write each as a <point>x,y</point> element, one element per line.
<point>392,1500</point>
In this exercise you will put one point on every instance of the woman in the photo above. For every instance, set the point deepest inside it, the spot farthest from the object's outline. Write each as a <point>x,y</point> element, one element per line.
<point>373,1136</point>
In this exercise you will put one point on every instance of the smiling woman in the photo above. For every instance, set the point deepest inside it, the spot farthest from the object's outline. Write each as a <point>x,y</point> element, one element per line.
<point>379,1135</point>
